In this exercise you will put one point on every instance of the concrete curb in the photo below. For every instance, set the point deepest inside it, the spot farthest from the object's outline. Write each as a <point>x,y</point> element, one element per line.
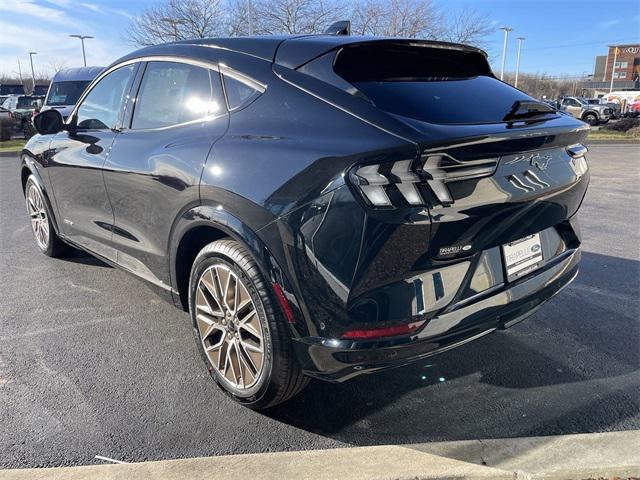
<point>583,456</point>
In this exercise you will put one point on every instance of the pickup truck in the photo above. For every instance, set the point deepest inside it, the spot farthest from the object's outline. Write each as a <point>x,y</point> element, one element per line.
<point>580,108</point>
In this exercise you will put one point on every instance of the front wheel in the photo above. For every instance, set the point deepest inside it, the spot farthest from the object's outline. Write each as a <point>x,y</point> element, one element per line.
<point>591,119</point>
<point>241,334</point>
<point>45,235</point>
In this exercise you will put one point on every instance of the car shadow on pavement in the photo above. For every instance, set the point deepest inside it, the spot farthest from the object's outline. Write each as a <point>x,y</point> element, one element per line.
<point>570,368</point>
<point>83,258</point>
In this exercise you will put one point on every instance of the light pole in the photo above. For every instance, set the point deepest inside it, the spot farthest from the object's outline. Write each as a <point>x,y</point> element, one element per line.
<point>613,68</point>
<point>82,37</point>
<point>250,14</point>
<point>520,39</point>
<point>33,75</point>
<point>506,31</point>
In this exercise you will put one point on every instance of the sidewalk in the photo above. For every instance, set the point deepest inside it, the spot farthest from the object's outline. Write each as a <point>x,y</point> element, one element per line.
<point>585,456</point>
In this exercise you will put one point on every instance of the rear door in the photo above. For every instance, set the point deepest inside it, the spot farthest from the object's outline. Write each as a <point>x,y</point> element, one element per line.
<point>75,166</point>
<point>154,167</point>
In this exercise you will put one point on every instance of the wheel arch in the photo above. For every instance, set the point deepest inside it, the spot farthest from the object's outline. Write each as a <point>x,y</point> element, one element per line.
<point>204,224</point>
<point>27,169</point>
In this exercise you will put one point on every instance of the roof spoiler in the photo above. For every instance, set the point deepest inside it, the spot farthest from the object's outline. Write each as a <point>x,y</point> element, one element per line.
<point>342,27</point>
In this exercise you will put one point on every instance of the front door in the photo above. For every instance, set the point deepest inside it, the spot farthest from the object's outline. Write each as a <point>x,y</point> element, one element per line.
<point>84,211</point>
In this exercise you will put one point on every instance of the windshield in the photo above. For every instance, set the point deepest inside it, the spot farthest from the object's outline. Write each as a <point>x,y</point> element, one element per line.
<point>66,93</point>
<point>582,101</point>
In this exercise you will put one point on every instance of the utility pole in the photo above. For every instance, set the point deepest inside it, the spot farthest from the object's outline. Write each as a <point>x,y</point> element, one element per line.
<point>20,71</point>
<point>33,75</point>
<point>506,31</point>
<point>82,37</point>
<point>520,39</point>
<point>174,23</point>
<point>613,68</point>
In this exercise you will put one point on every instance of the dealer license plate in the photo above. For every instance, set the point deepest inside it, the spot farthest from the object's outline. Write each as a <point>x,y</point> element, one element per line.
<point>522,256</point>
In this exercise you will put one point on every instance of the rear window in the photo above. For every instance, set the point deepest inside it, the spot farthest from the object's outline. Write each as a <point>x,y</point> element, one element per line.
<point>66,93</point>
<point>434,85</point>
<point>27,102</point>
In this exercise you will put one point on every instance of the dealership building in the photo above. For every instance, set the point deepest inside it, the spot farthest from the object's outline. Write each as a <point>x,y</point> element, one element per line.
<point>623,66</point>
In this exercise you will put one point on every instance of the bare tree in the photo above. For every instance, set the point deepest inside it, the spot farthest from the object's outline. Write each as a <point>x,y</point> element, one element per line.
<point>396,18</point>
<point>175,20</point>
<point>56,65</point>
<point>466,26</point>
<point>240,18</point>
<point>183,19</point>
<point>295,16</point>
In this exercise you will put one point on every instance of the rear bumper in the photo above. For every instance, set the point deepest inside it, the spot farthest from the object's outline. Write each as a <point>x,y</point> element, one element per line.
<point>339,360</point>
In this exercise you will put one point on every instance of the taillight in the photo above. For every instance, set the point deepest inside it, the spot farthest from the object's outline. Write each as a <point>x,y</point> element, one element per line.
<point>382,332</point>
<point>408,177</point>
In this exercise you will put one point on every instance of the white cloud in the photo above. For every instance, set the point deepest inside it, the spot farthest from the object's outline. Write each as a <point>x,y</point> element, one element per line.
<point>52,46</point>
<point>31,9</point>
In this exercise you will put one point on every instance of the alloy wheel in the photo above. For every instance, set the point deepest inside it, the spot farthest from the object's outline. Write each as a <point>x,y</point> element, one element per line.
<point>38,216</point>
<point>229,327</point>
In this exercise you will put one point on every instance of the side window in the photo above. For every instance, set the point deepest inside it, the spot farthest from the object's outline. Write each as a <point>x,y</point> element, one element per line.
<point>239,94</point>
<point>101,107</point>
<point>172,93</point>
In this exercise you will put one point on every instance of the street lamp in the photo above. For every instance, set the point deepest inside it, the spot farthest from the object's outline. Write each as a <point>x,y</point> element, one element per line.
<point>506,31</point>
<point>33,75</point>
<point>520,39</point>
<point>82,37</point>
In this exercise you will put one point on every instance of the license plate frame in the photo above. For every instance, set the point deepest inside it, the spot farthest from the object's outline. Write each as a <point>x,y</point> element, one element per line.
<point>522,256</point>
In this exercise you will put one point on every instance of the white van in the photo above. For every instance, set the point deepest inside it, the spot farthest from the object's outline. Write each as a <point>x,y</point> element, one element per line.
<point>67,86</point>
<point>623,98</point>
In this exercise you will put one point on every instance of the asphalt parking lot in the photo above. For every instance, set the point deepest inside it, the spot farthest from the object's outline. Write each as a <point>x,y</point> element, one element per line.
<point>93,363</point>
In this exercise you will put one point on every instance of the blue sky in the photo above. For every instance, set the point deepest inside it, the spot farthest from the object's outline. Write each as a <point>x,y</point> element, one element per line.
<point>562,36</point>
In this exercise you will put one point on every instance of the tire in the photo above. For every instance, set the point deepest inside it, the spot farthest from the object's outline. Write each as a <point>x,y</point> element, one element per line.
<point>224,277</point>
<point>5,135</point>
<point>591,119</point>
<point>44,233</point>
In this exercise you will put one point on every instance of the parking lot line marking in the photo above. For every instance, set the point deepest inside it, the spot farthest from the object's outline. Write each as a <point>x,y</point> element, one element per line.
<point>107,459</point>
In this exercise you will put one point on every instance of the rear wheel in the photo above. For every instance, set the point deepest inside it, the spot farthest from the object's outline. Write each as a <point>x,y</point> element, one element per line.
<point>45,235</point>
<point>241,334</point>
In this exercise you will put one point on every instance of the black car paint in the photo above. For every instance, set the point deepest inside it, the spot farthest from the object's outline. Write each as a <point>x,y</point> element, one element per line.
<point>272,176</point>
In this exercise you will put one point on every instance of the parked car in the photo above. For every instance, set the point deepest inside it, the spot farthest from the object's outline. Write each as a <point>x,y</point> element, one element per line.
<point>6,124</point>
<point>589,113</point>
<point>633,109</point>
<point>323,206</point>
<point>22,108</point>
<point>553,103</point>
<point>615,107</point>
<point>67,86</point>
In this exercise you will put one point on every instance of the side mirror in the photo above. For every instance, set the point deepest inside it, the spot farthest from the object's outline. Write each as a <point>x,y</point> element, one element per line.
<point>48,122</point>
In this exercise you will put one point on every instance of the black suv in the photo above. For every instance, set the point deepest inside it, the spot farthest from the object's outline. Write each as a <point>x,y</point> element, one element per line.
<point>323,206</point>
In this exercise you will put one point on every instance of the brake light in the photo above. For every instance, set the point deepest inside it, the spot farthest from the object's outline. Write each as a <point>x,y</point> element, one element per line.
<point>372,333</point>
<point>432,170</point>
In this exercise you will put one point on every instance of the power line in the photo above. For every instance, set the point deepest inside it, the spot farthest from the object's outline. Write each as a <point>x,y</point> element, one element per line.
<point>583,44</point>
<point>600,42</point>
